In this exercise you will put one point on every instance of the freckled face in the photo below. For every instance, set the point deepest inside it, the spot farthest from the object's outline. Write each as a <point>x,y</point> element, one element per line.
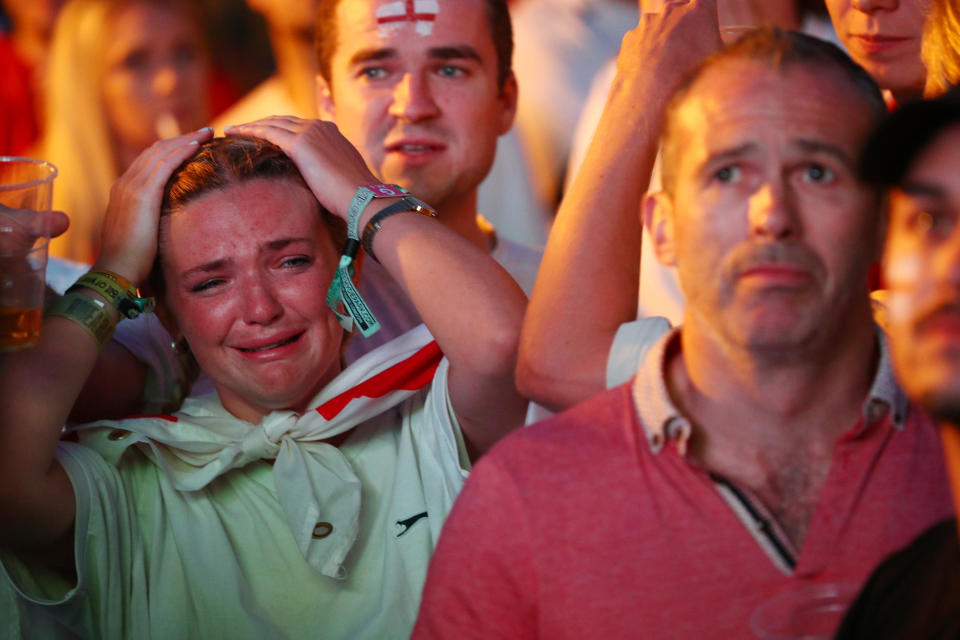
<point>922,270</point>
<point>247,270</point>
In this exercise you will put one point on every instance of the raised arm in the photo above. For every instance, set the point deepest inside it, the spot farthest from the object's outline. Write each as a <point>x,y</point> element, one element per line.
<point>38,386</point>
<point>471,305</point>
<point>587,286</point>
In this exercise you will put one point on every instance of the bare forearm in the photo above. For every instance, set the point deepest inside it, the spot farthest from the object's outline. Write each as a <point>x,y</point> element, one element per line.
<point>474,309</point>
<point>37,389</point>
<point>113,389</point>
<point>471,305</point>
<point>589,276</point>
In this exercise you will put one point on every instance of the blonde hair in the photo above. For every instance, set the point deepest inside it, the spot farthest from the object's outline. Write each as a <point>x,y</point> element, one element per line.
<point>941,46</point>
<point>77,139</point>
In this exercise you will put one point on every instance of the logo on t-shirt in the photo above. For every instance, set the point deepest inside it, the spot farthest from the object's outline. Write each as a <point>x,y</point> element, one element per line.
<point>402,526</point>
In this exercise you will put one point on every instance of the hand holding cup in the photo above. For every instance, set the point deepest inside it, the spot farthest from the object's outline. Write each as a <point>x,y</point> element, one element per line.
<point>26,224</point>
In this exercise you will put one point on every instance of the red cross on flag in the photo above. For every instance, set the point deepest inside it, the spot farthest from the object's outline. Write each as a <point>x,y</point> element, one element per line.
<point>393,15</point>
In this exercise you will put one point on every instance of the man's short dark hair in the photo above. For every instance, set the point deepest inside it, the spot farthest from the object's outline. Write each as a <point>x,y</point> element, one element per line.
<point>498,17</point>
<point>897,143</point>
<point>780,50</point>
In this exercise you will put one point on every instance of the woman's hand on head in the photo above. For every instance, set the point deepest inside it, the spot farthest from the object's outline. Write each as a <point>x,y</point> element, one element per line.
<point>128,242</point>
<point>331,166</point>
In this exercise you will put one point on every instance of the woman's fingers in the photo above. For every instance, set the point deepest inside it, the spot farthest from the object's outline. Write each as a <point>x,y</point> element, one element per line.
<point>331,166</point>
<point>20,228</point>
<point>56,222</point>
<point>129,238</point>
<point>162,150</point>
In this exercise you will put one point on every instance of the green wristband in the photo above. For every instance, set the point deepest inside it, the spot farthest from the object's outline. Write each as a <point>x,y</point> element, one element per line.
<point>88,312</point>
<point>342,291</point>
<point>119,291</point>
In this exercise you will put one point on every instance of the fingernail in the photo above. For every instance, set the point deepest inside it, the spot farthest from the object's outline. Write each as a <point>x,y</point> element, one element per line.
<point>228,127</point>
<point>194,142</point>
<point>207,129</point>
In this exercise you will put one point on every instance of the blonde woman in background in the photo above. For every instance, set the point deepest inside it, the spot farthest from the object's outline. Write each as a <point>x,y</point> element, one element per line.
<point>941,46</point>
<point>121,75</point>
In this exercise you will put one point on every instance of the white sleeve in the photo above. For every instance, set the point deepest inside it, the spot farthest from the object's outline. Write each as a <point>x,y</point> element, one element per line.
<point>441,450</point>
<point>95,600</point>
<point>630,346</point>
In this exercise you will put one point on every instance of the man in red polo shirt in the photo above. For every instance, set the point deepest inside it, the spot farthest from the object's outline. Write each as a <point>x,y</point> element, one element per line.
<point>763,448</point>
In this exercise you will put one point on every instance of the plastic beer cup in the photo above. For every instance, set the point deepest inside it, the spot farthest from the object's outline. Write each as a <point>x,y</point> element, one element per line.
<point>26,187</point>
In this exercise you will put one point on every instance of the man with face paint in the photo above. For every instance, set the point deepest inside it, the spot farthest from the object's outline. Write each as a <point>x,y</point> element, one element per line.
<point>761,448</point>
<point>916,155</point>
<point>423,89</point>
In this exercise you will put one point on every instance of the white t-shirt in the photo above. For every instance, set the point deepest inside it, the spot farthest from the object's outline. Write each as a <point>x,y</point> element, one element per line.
<point>221,562</point>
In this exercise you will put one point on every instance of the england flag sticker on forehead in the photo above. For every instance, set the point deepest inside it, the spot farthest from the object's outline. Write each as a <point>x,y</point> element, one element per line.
<point>391,16</point>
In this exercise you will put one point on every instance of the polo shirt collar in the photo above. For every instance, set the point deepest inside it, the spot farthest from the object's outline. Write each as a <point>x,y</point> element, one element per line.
<point>662,421</point>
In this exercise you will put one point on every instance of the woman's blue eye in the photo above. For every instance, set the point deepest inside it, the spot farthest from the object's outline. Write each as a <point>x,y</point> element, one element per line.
<point>297,261</point>
<point>207,285</point>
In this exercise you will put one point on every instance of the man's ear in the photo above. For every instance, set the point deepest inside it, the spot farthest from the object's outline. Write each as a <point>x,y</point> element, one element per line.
<point>657,212</point>
<point>324,100</point>
<point>508,103</point>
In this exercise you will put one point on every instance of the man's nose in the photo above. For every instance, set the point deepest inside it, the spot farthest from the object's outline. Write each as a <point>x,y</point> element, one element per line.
<point>771,212</point>
<point>413,99</point>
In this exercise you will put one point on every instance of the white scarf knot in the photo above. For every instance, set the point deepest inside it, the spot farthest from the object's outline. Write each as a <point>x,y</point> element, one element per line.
<point>315,483</point>
<point>264,443</point>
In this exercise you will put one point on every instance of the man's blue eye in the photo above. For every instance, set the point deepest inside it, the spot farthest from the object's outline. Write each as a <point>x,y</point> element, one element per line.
<point>818,174</point>
<point>450,71</point>
<point>728,175</point>
<point>374,73</point>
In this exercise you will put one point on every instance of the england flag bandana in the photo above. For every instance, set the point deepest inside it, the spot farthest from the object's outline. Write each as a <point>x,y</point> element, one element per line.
<point>314,481</point>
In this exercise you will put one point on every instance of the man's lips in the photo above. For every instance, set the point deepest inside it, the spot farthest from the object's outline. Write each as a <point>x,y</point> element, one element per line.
<point>415,147</point>
<point>782,275</point>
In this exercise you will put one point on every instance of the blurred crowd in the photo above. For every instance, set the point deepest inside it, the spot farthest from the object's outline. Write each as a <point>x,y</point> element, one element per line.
<point>710,247</point>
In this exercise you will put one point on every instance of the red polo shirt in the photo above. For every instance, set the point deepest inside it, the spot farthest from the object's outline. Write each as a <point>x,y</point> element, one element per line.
<point>594,524</point>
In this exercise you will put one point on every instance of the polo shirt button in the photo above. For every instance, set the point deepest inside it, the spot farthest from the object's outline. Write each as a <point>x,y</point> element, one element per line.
<point>118,434</point>
<point>322,530</point>
<point>876,410</point>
